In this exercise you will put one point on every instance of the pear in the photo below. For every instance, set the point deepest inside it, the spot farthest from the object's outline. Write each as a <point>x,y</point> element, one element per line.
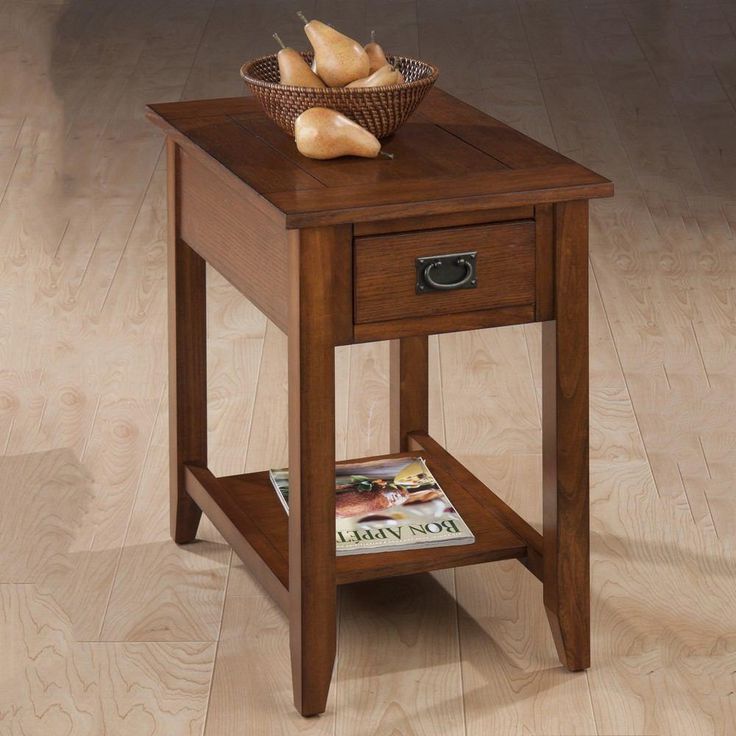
<point>323,133</point>
<point>339,59</point>
<point>293,69</point>
<point>385,76</point>
<point>376,57</point>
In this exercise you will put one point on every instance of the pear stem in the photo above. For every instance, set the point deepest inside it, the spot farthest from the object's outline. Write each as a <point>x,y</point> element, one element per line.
<point>373,36</point>
<point>386,154</point>
<point>302,17</point>
<point>279,41</point>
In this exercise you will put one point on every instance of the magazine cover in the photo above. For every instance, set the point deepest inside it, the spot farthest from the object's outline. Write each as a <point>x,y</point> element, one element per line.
<point>389,504</point>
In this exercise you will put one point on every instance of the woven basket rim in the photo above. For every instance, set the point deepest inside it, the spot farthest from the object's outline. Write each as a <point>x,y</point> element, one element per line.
<point>429,79</point>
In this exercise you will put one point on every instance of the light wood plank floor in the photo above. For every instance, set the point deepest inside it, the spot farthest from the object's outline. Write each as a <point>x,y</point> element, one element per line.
<point>106,627</point>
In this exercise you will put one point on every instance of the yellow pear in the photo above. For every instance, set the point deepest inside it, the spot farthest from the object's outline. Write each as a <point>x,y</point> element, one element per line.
<point>323,133</point>
<point>293,69</point>
<point>339,59</point>
<point>376,57</point>
<point>385,76</point>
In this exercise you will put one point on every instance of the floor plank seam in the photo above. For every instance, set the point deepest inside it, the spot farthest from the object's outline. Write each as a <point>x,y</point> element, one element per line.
<point>139,481</point>
<point>131,230</point>
<point>217,645</point>
<point>623,377</point>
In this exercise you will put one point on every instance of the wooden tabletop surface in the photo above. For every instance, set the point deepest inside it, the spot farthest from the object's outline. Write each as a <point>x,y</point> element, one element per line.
<point>448,157</point>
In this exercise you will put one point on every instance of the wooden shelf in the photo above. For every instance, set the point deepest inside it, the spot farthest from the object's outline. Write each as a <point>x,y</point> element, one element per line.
<point>249,515</point>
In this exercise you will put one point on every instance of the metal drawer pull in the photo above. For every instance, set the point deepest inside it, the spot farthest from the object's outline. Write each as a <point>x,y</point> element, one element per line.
<point>457,284</point>
<point>458,266</point>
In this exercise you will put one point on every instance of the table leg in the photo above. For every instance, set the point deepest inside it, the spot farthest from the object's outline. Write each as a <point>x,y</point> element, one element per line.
<point>565,442</point>
<point>187,367</point>
<point>409,387</point>
<point>319,264</point>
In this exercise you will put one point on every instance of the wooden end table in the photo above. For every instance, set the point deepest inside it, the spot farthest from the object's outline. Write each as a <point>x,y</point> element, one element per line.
<point>471,225</point>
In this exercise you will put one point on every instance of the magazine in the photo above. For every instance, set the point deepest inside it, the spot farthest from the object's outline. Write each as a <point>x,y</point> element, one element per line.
<point>388,504</point>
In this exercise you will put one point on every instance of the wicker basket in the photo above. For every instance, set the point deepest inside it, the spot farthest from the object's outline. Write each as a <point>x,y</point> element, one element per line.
<point>378,109</point>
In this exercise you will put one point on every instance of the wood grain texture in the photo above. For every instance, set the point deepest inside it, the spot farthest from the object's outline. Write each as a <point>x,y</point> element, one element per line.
<point>437,324</point>
<point>409,224</point>
<point>544,262</point>
<point>386,264</point>
<point>320,281</point>
<point>421,150</point>
<point>409,390</point>
<point>471,192</point>
<point>254,629</point>
<point>122,687</point>
<point>223,502</point>
<point>419,638</point>
<point>254,523</point>
<point>510,657</point>
<point>261,167</point>
<point>151,597</point>
<point>187,361</point>
<point>495,505</point>
<point>408,632</point>
<point>565,443</point>
<point>450,158</point>
<point>232,235</point>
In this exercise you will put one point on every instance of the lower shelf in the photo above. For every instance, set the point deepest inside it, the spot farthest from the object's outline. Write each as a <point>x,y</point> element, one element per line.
<point>249,515</point>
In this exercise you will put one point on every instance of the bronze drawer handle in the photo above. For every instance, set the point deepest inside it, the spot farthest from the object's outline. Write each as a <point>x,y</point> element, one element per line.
<point>447,287</point>
<point>447,265</point>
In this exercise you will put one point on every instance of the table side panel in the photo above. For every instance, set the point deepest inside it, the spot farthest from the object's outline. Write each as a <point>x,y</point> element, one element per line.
<point>239,241</point>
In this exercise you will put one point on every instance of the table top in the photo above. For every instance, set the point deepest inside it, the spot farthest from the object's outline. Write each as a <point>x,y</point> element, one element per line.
<point>449,157</point>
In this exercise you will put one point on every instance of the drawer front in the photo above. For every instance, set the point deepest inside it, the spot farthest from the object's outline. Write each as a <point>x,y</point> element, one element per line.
<point>495,268</point>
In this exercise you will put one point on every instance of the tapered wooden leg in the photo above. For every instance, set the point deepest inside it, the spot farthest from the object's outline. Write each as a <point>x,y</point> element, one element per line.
<point>187,367</point>
<point>565,442</point>
<point>319,260</point>
<point>409,387</point>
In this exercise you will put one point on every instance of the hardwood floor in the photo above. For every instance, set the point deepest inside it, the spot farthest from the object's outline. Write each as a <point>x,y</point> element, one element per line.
<point>107,627</point>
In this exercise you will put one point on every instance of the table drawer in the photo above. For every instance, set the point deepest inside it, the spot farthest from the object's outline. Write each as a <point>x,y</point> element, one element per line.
<point>492,265</point>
